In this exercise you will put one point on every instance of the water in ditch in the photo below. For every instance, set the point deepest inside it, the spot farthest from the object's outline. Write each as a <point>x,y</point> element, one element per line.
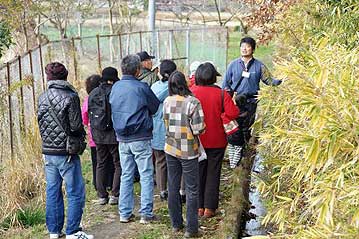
<point>257,211</point>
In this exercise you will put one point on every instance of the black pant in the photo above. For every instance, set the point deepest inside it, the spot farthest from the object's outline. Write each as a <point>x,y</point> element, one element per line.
<point>209,178</point>
<point>105,153</point>
<point>189,169</point>
<point>94,165</point>
<point>251,106</point>
<point>111,169</point>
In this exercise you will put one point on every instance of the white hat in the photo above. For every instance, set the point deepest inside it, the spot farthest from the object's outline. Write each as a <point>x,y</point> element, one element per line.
<point>194,65</point>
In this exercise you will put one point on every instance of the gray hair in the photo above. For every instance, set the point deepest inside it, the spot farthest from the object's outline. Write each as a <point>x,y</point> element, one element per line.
<point>130,64</point>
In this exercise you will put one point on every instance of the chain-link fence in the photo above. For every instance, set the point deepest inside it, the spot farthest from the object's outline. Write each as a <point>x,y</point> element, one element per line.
<point>22,79</point>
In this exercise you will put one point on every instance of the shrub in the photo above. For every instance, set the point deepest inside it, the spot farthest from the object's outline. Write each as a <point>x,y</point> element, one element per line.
<point>30,217</point>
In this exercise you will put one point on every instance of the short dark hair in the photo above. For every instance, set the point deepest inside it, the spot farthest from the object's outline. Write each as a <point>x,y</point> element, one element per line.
<point>250,41</point>
<point>177,84</point>
<point>241,100</point>
<point>130,64</point>
<point>92,82</point>
<point>206,74</point>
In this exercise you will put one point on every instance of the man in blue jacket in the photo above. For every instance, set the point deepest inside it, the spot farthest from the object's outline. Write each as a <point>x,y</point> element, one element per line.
<point>132,104</point>
<point>244,74</point>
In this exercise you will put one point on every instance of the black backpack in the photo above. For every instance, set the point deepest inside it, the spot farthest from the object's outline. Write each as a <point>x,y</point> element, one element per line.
<point>99,108</point>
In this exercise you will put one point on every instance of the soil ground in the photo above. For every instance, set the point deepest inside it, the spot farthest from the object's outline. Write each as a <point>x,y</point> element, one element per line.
<point>103,221</point>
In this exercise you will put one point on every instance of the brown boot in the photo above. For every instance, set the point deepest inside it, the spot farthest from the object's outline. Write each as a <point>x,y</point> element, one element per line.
<point>208,213</point>
<point>200,212</point>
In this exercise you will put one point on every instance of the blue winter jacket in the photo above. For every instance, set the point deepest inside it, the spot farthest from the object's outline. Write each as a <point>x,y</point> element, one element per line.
<point>249,86</point>
<point>160,89</point>
<point>132,104</point>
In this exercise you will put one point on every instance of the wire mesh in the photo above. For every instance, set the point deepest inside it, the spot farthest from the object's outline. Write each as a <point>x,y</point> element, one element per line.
<point>4,114</point>
<point>15,102</point>
<point>37,72</point>
<point>27,86</point>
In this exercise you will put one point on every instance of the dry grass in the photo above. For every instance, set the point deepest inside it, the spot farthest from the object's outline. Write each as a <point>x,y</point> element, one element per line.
<point>22,179</point>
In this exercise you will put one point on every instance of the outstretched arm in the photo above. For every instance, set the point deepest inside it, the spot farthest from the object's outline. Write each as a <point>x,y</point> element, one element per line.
<point>267,78</point>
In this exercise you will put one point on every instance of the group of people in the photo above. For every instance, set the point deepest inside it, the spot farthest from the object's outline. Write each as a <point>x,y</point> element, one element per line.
<point>149,119</point>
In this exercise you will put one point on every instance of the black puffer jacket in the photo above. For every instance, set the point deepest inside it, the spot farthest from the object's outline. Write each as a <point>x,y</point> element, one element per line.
<point>66,105</point>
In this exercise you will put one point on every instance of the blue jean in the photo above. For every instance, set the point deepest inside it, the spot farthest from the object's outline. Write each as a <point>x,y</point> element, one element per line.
<point>58,169</point>
<point>189,168</point>
<point>140,153</point>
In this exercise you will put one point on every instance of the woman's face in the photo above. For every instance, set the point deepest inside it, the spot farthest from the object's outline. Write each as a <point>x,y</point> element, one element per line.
<point>246,49</point>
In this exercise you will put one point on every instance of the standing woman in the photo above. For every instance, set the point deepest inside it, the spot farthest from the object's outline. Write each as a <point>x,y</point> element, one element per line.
<point>184,121</point>
<point>214,139</point>
<point>160,88</point>
<point>92,82</point>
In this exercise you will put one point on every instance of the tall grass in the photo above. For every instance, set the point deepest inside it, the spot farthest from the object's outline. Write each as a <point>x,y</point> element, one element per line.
<point>22,182</point>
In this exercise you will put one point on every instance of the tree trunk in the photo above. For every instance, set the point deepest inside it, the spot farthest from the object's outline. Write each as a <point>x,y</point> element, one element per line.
<point>79,34</point>
<point>64,44</point>
<point>38,32</point>
<point>25,32</point>
<point>218,13</point>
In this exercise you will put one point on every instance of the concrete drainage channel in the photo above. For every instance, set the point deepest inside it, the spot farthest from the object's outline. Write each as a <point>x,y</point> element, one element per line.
<point>257,211</point>
<point>245,210</point>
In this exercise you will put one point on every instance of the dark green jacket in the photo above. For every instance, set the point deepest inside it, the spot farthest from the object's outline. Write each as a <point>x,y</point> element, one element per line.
<point>147,76</point>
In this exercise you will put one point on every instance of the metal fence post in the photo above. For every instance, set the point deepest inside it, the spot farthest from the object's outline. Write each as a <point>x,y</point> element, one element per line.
<point>98,53</point>
<point>140,40</point>
<point>120,44</point>
<point>171,43</point>
<point>33,80</point>
<point>227,46</point>
<point>10,112</point>
<point>42,69</point>
<point>158,45</point>
<point>188,46</point>
<point>22,113</point>
<point>74,57</point>
<point>128,43</point>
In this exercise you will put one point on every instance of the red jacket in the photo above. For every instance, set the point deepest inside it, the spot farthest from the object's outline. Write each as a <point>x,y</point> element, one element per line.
<point>211,101</point>
<point>192,81</point>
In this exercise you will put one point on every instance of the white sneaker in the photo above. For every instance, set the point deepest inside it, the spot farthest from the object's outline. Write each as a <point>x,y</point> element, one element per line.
<point>147,219</point>
<point>79,235</point>
<point>56,235</point>
<point>113,200</point>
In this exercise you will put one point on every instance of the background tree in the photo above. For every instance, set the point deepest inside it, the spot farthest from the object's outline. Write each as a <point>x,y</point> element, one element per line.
<point>5,38</point>
<point>19,19</point>
<point>60,12</point>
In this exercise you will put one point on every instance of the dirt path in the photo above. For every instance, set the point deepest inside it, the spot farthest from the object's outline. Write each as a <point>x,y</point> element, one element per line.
<point>103,221</point>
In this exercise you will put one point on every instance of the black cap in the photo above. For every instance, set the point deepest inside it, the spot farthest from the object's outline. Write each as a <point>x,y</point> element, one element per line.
<point>144,56</point>
<point>109,74</point>
<point>208,68</point>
